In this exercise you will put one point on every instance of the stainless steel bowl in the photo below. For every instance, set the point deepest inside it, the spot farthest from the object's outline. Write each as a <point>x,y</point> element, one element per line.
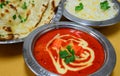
<point>110,56</point>
<point>108,22</point>
<point>56,18</point>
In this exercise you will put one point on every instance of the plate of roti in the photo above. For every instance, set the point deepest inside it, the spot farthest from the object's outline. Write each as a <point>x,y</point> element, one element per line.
<point>18,18</point>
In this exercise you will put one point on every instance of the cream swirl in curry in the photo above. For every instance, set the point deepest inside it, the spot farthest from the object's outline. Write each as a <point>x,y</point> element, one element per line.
<point>84,55</point>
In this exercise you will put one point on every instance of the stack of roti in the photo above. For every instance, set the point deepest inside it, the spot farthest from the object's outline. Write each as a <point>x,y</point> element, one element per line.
<point>19,17</point>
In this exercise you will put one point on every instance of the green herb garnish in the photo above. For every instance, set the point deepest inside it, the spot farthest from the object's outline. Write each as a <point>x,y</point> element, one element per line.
<point>67,55</point>
<point>22,19</point>
<point>104,5</point>
<point>33,1</point>
<point>3,4</point>
<point>7,2</point>
<point>14,17</point>
<point>69,59</point>
<point>79,7</point>
<point>64,54</point>
<point>69,48</point>
<point>24,6</point>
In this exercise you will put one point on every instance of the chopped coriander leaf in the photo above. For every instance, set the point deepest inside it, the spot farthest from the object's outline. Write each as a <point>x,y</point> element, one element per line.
<point>68,54</point>
<point>104,5</point>
<point>24,6</point>
<point>1,6</point>
<point>4,3</point>
<point>7,2</point>
<point>14,17</point>
<point>79,7</point>
<point>69,59</point>
<point>22,19</point>
<point>25,19</point>
<point>72,52</point>
<point>69,47</point>
<point>33,1</point>
<point>63,54</point>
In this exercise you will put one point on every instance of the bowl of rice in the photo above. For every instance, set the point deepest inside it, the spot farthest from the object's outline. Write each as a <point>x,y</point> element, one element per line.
<point>92,12</point>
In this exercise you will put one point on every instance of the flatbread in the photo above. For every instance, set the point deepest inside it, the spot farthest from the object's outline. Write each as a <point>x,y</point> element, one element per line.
<point>23,16</point>
<point>50,12</point>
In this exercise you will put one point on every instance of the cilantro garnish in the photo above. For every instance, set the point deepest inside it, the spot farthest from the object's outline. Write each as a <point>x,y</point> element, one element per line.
<point>33,1</point>
<point>68,55</point>
<point>104,5</point>
<point>24,6</point>
<point>3,3</point>
<point>22,19</point>
<point>79,7</point>
<point>14,17</point>
<point>7,2</point>
<point>69,59</point>
<point>63,54</point>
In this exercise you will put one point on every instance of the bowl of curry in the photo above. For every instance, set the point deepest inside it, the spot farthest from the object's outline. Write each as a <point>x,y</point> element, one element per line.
<point>68,49</point>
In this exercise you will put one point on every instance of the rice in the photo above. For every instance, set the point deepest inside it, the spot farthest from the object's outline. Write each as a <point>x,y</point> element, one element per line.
<point>91,10</point>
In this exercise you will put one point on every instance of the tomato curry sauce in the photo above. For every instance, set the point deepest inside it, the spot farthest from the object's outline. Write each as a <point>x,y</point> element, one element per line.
<point>69,52</point>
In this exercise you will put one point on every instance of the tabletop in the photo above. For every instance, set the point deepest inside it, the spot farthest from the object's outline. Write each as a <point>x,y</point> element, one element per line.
<point>12,62</point>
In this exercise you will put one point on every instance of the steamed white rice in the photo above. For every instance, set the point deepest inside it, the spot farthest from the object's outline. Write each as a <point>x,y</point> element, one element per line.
<point>91,10</point>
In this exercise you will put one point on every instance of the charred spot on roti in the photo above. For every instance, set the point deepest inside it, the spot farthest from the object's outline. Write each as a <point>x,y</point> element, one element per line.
<point>9,21</point>
<point>55,9</point>
<point>6,36</point>
<point>53,4</point>
<point>20,0</point>
<point>28,13</point>
<point>2,0</point>
<point>38,22</point>
<point>48,17</point>
<point>45,5</point>
<point>8,29</point>
<point>13,7</point>
<point>33,5</point>
<point>6,10</point>
<point>2,14</point>
<point>40,17</point>
<point>10,36</point>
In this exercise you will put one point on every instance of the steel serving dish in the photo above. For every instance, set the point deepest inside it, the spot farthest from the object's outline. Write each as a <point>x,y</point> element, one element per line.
<point>56,18</point>
<point>108,22</point>
<point>110,56</point>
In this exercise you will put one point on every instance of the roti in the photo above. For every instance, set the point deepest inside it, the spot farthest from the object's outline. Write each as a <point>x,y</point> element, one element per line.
<point>50,12</point>
<point>20,17</point>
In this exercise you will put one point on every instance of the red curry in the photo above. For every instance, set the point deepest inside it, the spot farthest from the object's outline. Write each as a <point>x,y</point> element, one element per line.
<point>87,54</point>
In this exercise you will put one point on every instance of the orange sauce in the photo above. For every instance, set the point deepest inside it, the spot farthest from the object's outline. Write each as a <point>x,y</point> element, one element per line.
<point>44,59</point>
